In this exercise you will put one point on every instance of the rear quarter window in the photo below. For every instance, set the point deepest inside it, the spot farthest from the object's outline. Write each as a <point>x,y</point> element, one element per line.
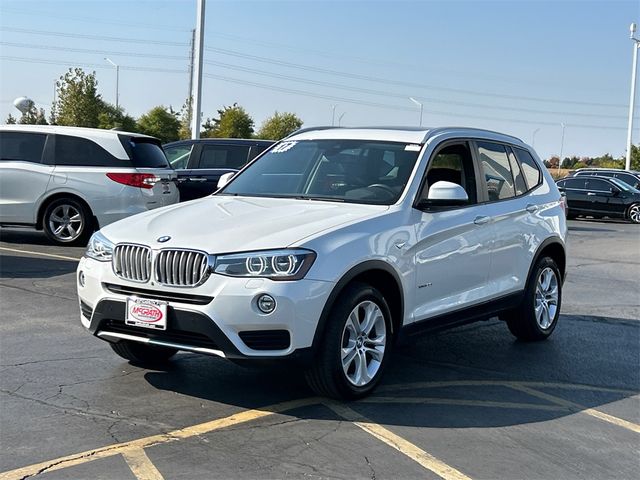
<point>22,146</point>
<point>82,152</point>
<point>145,152</point>
<point>530,168</point>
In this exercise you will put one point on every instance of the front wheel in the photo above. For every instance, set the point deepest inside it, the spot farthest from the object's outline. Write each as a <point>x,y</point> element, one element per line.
<point>634,213</point>
<point>141,354</point>
<point>537,316</point>
<point>355,347</point>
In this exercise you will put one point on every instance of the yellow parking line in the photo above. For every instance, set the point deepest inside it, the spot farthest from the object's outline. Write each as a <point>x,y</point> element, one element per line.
<point>40,253</point>
<point>461,402</point>
<point>403,446</point>
<point>576,407</point>
<point>121,448</point>
<point>140,465</point>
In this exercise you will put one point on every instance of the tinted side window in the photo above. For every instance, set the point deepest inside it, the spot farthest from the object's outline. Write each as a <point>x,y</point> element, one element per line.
<point>78,151</point>
<point>575,183</point>
<point>521,186</point>
<point>147,153</point>
<point>256,150</point>
<point>178,156</point>
<point>223,156</point>
<point>496,170</point>
<point>19,146</point>
<point>597,184</point>
<point>529,168</point>
<point>627,178</point>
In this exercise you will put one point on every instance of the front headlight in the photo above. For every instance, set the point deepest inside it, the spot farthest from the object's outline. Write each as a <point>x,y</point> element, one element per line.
<point>288,264</point>
<point>100,248</point>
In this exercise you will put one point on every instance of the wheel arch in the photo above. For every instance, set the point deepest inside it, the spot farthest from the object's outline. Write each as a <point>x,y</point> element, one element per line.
<point>379,275</point>
<point>58,195</point>
<point>553,248</point>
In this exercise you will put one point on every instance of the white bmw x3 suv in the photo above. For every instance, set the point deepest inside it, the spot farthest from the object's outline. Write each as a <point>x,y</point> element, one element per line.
<point>332,246</point>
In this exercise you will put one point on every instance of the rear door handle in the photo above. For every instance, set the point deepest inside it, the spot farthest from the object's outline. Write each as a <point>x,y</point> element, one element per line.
<point>481,220</point>
<point>591,194</point>
<point>197,179</point>
<point>532,208</point>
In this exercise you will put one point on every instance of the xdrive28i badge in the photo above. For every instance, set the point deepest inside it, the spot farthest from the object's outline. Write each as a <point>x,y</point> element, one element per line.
<point>164,239</point>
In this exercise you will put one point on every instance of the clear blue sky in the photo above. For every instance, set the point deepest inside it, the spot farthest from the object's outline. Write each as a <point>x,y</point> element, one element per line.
<point>513,66</point>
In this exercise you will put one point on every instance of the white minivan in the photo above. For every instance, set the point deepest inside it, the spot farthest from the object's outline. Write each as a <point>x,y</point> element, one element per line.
<point>71,181</point>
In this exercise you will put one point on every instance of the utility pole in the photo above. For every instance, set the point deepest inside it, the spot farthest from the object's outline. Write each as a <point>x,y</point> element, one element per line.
<point>197,71</point>
<point>632,99</point>
<point>191,60</point>
<point>117,79</point>
<point>561,146</point>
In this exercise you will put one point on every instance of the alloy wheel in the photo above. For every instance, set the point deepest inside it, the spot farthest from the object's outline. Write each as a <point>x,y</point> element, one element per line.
<point>364,339</point>
<point>66,222</point>
<point>546,301</point>
<point>634,213</point>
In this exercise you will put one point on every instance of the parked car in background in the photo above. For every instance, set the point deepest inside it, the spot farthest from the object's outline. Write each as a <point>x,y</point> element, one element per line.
<point>600,197</point>
<point>71,181</point>
<point>200,163</point>
<point>630,177</point>
<point>329,248</point>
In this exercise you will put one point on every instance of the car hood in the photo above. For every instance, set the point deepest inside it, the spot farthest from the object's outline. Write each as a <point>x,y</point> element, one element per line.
<point>222,224</point>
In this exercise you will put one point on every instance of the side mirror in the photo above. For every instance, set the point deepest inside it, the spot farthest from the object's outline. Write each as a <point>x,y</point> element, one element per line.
<point>444,194</point>
<point>615,191</point>
<point>224,179</point>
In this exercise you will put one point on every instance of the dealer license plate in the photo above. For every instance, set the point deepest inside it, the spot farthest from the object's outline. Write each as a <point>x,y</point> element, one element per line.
<point>147,313</point>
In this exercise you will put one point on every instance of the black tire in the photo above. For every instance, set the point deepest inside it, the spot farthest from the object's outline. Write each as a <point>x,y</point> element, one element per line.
<point>78,219</point>
<point>572,216</point>
<point>523,321</point>
<point>633,213</point>
<point>326,376</point>
<point>141,354</point>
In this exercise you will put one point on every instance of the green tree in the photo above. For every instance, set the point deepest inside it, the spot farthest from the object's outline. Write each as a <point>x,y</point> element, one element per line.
<point>160,122</point>
<point>79,103</point>
<point>635,157</point>
<point>33,116</point>
<point>112,117</point>
<point>11,120</point>
<point>279,125</point>
<point>232,122</point>
<point>185,120</point>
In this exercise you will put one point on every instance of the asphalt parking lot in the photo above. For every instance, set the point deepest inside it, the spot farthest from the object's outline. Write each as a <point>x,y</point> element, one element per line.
<point>467,403</point>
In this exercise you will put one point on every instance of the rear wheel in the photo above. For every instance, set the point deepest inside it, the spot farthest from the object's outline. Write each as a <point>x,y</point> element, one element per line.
<point>633,213</point>
<point>67,221</point>
<point>141,354</point>
<point>355,347</point>
<point>537,315</point>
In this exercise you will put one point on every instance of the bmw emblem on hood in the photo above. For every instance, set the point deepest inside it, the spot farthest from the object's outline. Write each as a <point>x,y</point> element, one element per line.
<point>164,239</point>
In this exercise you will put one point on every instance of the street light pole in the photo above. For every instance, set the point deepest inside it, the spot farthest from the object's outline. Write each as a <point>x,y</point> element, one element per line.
<point>418,104</point>
<point>632,99</point>
<point>333,115</point>
<point>561,146</point>
<point>117,78</point>
<point>533,138</point>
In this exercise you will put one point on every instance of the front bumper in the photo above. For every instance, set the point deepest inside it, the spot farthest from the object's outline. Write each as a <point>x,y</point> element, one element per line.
<point>219,317</point>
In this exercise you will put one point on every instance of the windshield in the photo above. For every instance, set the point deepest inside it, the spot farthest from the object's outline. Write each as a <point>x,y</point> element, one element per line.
<point>356,171</point>
<point>624,185</point>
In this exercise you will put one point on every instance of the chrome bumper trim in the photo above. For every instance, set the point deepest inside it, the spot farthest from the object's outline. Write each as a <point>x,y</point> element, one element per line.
<point>160,343</point>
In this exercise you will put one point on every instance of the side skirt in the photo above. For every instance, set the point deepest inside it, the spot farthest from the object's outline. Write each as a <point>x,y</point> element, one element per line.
<point>475,313</point>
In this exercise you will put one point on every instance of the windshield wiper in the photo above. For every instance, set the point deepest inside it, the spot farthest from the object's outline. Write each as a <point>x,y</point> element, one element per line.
<point>321,199</point>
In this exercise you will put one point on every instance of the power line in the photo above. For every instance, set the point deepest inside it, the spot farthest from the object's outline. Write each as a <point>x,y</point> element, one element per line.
<point>89,65</point>
<point>95,37</point>
<point>395,107</point>
<point>93,19</point>
<point>326,71</point>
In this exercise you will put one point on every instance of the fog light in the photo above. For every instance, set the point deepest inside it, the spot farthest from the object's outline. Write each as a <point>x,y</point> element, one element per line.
<point>266,303</point>
<point>81,279</point>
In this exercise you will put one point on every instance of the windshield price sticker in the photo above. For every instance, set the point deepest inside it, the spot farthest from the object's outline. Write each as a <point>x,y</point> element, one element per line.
<point>147,313</point>
<point>283,147</point>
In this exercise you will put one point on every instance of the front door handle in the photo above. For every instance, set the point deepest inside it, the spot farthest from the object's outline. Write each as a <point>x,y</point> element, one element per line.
<point>197,179</point>
<point>532,208</point>
<point>591,194</point>
<point>481,220</point>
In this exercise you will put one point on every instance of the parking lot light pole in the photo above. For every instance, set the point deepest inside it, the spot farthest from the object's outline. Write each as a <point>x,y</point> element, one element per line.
<point>533,137</point>
<point>632,99</point>
<point>197,72</point>
<point>117,78</point>
<point>418,104</point>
